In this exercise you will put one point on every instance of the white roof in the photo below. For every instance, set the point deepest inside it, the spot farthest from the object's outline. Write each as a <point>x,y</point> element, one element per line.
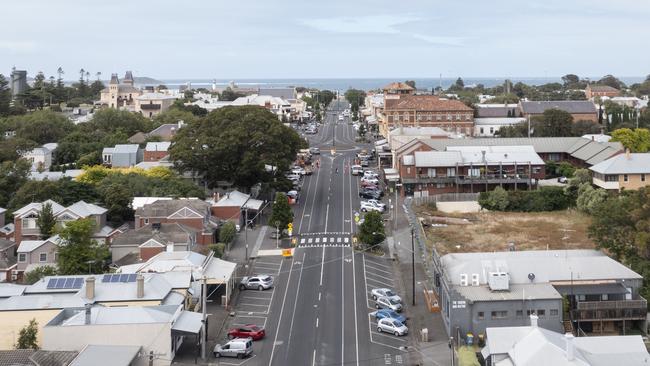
<point>418,131</point>
<point>598,137</point>
<point>106,355</point>
<point>633,163</point>
<point>238,199</point>
<point>158,146</point>
<point>260,100</point>
<point>36,206</point>
<point>219,271</point>
<point>126,148</point>
<point>85,209</point>
<point>28,246</point>
<point>154,96</point>
<point>506,121</point>
<point>498,154</point>
<point>138,202</point>
<point>121,315</point>
<point>10,289</point>
<point>437,158</point>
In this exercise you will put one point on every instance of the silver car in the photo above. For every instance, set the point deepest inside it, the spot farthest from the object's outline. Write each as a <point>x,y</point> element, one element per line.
<point>388,303</point>
<point>385,292</point>
<point>260,282</point>
<point>390,325</point>
<point>238,347</point>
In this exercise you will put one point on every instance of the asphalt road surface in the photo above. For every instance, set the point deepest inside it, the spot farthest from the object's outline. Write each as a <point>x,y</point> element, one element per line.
<point>318,312</point>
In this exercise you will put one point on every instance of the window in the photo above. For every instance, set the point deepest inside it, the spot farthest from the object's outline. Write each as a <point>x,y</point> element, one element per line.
<point>643,177</point>
<point>458,117</point>
<point>420,117</point>
<point>611,178</point>
<point>625,178</point>
<point>529,313</point>
<point>475,172</point>
<point>463,279</point>
<point>554,312</point>
<point>22,257</point>
<point>541,313</point>
<point>438,117</point>
<point>431,172</point>
<point>519,314</point>
<point>481,130</point>
<point>468,117</point>
<point>582,297</point>
<point>408,170</point>
<point>55,256</point>
<point>480,315</point>
<point>146,221</point>
<point>451,172</point>
<point>491,130</point>
<point>449,117</point>
<point>501,314</point>
<point>604,297</point>
<point>42,257</point>
<point>29,223</point>
<point>554,157</point>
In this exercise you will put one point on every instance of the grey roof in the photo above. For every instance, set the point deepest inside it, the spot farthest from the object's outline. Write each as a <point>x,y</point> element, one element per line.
<point>516,292</point>
<point>533,345</point>
<point>492,111</point>
<point>633,163</point>
<point>158,146</point>
<point>499,121</point>
<point>166,130</point>
<point>126,148</point>
<point>36,206</point>
<point>155,288</point>
<point>597,151</point>
<point>38,302</point>
<point>284,93</point>
<point>188,322</point>
<point>436,158</point>
<point>4,243</point>
<point>100,315</point>
<point>106,355</point>
<point>28,246</point>
<point>165,208</point>
<point>167,233</point>
<point>10,289</point>
<point>30,357</point>
<point>85,209</point>
<point>238,199</point>
<point>570,106</point>
<point>478,155</point>
<point>547,266</point>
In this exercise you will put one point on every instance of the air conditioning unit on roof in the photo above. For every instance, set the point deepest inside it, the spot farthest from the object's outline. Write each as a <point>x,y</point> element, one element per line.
<point>499,281</point>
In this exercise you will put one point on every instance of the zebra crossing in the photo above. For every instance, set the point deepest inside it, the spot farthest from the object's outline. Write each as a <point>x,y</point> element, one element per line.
<point>319,240</point>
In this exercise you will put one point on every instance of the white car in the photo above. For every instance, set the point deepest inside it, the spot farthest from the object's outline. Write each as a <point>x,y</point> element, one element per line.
<point>293,177</point>
<point>341,118</point>
<point>367,206</point>
<point>377,203</point>
<point>370,174</point>
<point>385,292</point>
<point>299,171</point>
<point>388,303</point>
<point>357,169</point>
<point>393,326</point>
<point>374,181</point>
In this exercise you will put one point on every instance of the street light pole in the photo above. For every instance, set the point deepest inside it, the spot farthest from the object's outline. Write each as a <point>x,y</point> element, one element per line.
<point>413,264</point>
<point>277,234</point>
<point>246,231</point>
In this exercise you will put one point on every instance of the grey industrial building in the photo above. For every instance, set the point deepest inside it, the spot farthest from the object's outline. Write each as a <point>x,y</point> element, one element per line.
<point>567,290</point>
<point>18,82</point>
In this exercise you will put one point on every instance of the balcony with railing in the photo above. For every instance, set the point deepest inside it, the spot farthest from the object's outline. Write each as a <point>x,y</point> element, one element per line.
<point>493,178</point>
<point>150,107</point>
<point>425,178</point>
<point>611,310</point>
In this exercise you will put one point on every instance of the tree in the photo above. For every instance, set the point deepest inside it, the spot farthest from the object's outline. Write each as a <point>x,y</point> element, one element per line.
<point>228,95</point>
<point>227,233</point>
<point>458,85</point>
<point>496,200</point>
<point>78,252</point>
<point>38,273</point>
<point>410,83</point>
<point>282,213</point>
<point>371,231</point>
<point>28,336</point>
<point>234,144</point>
<point>13,174</point>
<point>5,97</point>
<point>612,81</point>
<point>356,98</point>
<point>114,120</point>
<point>637,140</point>
<point>589,198</point>
<point>582,127</point>
<point>46,221</point>
<point>570,79</point>
<point>553,123</point>
<point>324,97</point>
<point>42,126</point>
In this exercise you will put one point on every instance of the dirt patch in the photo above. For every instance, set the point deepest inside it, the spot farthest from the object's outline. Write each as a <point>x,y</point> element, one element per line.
<point>493,231</point>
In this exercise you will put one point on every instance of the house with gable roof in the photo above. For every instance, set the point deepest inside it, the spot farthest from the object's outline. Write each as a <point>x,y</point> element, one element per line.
<point>190,212</point>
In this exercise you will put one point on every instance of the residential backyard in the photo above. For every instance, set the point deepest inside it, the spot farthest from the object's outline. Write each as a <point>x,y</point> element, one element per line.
<point>494,231</point>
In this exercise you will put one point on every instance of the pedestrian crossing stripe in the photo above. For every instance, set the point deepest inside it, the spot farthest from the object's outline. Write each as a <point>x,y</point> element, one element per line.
<point>346,239</point>
<point>302,241</point>
<point>317,240</point>
<point>324,240</point>
<point>309,240</point>
<point>338,240</point>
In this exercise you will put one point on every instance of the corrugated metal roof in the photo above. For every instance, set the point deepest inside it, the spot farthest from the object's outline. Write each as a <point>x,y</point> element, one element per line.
<point>516,292</point>
<point>638,163</point>
<point>106,355</point>
<point>570,106</point>
<point>437,158</point>
<point>188,322</point>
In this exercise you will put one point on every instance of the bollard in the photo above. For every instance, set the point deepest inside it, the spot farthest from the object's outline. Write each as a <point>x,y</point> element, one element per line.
<point>425,334</point>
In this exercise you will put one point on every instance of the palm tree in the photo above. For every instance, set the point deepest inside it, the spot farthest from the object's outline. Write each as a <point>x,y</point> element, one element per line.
<point>60,71</point>
<point>98,74</point>
<point>81,74</point>
<point>87,77</point>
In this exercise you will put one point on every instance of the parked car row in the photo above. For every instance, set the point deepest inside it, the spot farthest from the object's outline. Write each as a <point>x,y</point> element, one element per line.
<point>389,306</point>
<point>241,338</point>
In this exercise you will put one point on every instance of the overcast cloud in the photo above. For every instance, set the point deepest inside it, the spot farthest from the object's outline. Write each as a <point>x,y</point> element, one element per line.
<point>333,39</point>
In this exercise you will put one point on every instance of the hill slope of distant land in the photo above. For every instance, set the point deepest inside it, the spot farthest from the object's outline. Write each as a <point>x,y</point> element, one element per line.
<point>146,80</point>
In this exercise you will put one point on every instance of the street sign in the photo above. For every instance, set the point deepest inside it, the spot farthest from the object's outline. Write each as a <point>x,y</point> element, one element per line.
<point>356,219</point>
<point>287,252</point>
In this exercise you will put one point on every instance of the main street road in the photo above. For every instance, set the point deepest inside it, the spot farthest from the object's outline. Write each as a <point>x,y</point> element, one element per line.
<point>319,314</point>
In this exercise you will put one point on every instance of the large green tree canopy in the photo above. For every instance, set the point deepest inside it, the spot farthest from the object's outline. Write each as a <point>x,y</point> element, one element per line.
<point>234,144</point>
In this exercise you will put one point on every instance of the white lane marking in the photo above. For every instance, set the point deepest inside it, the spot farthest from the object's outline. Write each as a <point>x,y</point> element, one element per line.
<point>309,240</point>
<point>342,307</point>
<point>316,322</point>
<point>380,270</point>
<point>378,275</point>
<point>317,240</point>
<point>371,262</point>
<point>319,296</point>
<point>311,212</point>
<point>322,266</point>
<point>346,240</point>
<point>356,324</point>
<point>313,358</point>
<point>327,213</point>
<point>295,303</point>
<point>247,304</point>
<point>277,330</point>
<point>302,241</point>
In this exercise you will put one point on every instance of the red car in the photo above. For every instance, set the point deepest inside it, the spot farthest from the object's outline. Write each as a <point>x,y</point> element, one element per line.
<point>248,330</point>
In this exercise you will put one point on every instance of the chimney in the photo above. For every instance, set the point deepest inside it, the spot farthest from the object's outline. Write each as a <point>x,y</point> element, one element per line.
<point>593,138</point>
<point>140,286</point>
<point>627,154</point>
<point>570,356</point>
<point>170,247</point>
<point>90,288</point>
<point>533,320</point>
<point>87,308</point>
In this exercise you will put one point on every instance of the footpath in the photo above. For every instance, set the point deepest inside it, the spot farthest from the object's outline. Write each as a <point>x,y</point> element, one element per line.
<point>434,351</point>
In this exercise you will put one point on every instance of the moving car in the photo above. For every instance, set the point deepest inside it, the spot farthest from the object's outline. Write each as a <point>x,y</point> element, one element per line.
<point>385,292</point>
<point>259,282</point>
<point>248,331</point>
<point>238,347</point>
<point>385,313</point>
<point>357,169</point>
<point>388,303</point>
<point>368,206</point>
<point>393,326</point>
<point>365,163</point>
<point>314,150</point>
<point>341,118</point>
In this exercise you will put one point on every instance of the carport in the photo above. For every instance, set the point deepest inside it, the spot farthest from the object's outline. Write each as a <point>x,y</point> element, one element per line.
<point>220,272</point>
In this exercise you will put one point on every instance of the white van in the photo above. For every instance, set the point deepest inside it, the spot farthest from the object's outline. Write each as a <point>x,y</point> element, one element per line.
<point>238,347</point>
<point>357,169</point>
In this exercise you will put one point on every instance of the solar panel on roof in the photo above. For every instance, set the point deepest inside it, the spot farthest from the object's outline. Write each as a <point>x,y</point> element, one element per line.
<point>78,282</point>
<point>69,282</point>
<point>106,278</point>
<point>132,277</point>
<point>51,283</point>
<point>115,278</point>
<point>60,283</point>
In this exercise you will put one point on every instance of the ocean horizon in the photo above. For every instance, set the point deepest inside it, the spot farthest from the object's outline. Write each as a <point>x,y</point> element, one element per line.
<point>342,84</point>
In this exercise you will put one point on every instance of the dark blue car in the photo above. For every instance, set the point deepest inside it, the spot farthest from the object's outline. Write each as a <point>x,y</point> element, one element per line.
<point>385,313</point>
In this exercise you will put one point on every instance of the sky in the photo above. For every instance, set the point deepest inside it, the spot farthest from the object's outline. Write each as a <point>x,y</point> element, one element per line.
<point>248,39</point>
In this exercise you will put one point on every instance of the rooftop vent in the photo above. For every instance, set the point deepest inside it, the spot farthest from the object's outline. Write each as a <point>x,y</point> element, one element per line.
<point>498,281</point>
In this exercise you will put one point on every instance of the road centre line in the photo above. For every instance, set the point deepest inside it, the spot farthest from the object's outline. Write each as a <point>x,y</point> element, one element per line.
<point>295,303</point>
<point>277,330</point>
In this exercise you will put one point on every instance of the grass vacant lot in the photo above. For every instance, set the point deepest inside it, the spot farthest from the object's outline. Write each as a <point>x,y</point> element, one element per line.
<point>492,231</point>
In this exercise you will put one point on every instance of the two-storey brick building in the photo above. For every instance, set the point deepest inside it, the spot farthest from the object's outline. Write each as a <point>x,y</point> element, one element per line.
<point>190,212</point>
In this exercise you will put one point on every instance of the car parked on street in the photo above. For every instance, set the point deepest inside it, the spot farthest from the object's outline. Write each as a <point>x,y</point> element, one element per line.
<point>388,303</point>
<point>374,181</point>
<point>298,170</point>
<point>314,150</point>
<point>367,206</point>
<point>370,193</point>
<point>393,326</point>
<point>259,282</point>
<point>385,292</point>
<point>238,347</point>
<point>357,170</point>
<point>370,174</point>
<point>247,331</point>
<point>385,313</point>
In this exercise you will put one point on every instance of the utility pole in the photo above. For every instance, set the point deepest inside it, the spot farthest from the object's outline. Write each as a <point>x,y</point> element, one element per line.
<point>204,329</point>
<point>413,263</point>
<point>277,232</point>
<point>246,231</point>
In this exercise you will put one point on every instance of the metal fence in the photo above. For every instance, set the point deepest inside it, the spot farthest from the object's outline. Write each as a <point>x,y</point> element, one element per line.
<point>430,257</point>
<point>446,197</point>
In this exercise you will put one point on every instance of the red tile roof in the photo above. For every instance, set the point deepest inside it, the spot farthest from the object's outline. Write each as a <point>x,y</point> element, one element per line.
<point>602,88</point>
<point>430,103</point>
<point>398,86</point>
